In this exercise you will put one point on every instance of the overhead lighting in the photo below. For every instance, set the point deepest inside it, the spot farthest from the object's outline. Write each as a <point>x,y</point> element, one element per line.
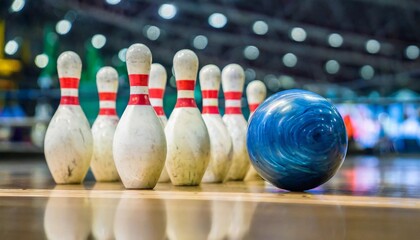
<point>251,52</point>
<point>298,34</point>
<point>273,84</point>
<point>11,47</point>
<point>98,41</point>
<point>121,54</point>
<point>200,42</point>
<point>152,32</point>
<point>167,11</point>
<point>373,46</point>
<point>286,81</point>
<point>113,2</point>
<point>217,20</point>
<point>367,72</point>
<point>41,60</point>
<point>412,52</point>
<point>289,60</point>
<point>332,66</point>
<point>335,40</point>
<point>17,5</point>
<point>250,74</point>
<point>63,27</point>
<point>260,27</point>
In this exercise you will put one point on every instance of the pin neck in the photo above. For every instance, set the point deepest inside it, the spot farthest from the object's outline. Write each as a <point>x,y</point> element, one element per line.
<point>210,101</point>
<point>185,90</point>
<point>69,91</point>
<point>253,106</point>
<point>107,103</point>
<point>233,102</point>
<point>139,93</point>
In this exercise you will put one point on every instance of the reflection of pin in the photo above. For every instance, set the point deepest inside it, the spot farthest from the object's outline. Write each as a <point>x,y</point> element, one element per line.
<point>68,141</point>
<point>220,141</point>
<point>233,79</point>
<point>242,214</point>
<point>139,218</point>
<point>103,211</point>
<point>157,85</point>
<point>103,129</point>
<point>187,219</point>
<point>186,133</point>
<point>139,147</point>
<point>67,217</point>
<point>255,93</point>
<point>220,219</point>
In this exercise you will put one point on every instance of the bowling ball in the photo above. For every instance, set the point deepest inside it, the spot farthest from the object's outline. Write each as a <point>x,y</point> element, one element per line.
<point>296,140</point>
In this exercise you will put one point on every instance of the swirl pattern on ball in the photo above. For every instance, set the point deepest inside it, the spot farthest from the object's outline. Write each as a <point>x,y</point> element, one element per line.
<point>296,140</point>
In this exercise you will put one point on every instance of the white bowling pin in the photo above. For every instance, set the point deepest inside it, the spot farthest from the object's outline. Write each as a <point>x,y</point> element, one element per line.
<point>233,79</point>
<point>255,94</point>
<point>68,141</point>
<point>157,85</point>
<point>186,133</point>
<point>139,146</point>
<point>220,141</point>
<point>103,129</point>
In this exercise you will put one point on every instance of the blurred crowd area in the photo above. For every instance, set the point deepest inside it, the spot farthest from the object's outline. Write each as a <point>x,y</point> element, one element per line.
<point>374,128</point>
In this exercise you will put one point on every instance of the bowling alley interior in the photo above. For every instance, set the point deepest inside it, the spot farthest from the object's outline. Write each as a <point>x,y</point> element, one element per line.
<point>219,120</point>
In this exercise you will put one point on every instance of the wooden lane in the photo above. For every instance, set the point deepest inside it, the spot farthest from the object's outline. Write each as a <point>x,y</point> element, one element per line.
<point>89,214</point>
<point>216,193</point>
<point>368,199</point>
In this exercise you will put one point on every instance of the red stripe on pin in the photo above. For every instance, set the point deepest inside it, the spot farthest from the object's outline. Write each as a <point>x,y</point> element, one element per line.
<point>185,102</point>
<point>69,82</point>
<point>233,95</point>
<point>69,100</point>
<point>107,96</point>
<point>156,92</point>
<point>138,79</point>
<point>210,110</point>
<point>185,84</point>
<point>210,93</point>
<point>107,111</point>
<point>253,107</point>
<point>159,110</point>
<point>139,99</point>
<point>233,110</point>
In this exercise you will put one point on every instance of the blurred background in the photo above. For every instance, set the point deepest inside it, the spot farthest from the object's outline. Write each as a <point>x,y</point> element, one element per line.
<point>363,55</point>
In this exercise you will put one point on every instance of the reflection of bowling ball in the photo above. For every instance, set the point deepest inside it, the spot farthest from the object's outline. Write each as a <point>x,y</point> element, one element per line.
<point>296,140</point>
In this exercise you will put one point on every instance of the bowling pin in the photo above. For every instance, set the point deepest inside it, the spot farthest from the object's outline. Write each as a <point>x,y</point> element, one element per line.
<point>68,140</point>
<point>157,84</point>
<point>139,146</point>
<point>255,94</point>
<point>186,133</point>
<point>103,129</point>
<point>233,79</point>
<point>220,141</point>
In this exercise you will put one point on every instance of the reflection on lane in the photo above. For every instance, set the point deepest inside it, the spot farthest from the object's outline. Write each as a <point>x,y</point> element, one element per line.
<point>140,218</point>
<point>67,217</point>
<point>103,212</point>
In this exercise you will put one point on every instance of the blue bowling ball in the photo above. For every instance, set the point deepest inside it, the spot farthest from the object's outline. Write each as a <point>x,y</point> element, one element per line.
<point>296,140</point>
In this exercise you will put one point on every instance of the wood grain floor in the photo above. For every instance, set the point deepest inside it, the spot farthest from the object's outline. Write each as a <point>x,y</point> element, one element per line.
<point>369,198</point>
